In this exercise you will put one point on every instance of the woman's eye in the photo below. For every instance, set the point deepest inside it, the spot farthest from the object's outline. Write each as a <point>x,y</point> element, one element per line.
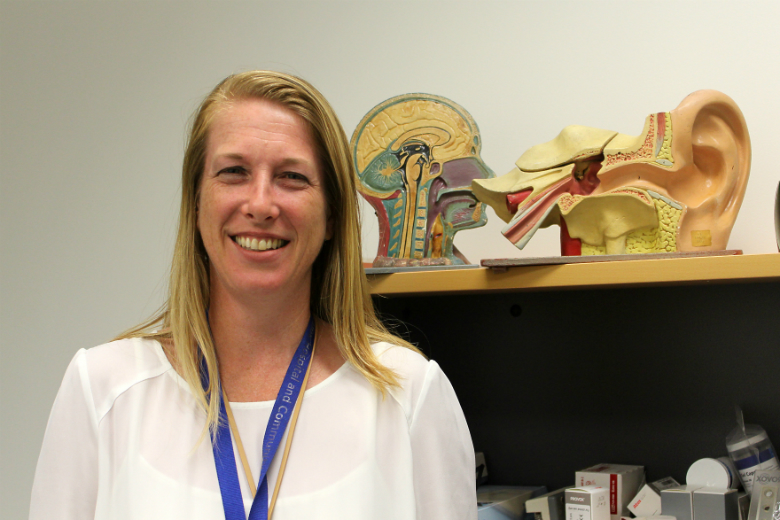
<point>231,170</point>
<point>295,177</point>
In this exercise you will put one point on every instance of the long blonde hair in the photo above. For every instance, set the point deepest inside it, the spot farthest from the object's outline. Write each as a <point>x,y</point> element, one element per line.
<point>340,293</point>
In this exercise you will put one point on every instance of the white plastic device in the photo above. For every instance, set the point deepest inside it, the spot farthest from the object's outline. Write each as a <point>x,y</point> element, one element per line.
<point>764,503</point>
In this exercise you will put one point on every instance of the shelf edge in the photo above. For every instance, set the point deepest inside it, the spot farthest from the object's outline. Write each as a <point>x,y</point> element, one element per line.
<point>640,272</point>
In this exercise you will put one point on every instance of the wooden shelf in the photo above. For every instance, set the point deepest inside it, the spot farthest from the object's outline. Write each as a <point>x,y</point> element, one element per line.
<point>640,272</point>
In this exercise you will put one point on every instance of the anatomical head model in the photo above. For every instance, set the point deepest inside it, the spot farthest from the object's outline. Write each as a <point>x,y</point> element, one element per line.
<point>676,187</point>
<point>416,156</point>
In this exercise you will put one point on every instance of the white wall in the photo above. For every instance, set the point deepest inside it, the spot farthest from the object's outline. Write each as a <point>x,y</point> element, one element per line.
<point>94,97</point>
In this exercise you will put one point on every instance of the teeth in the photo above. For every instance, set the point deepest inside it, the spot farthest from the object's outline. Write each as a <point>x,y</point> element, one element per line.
<point>259,245</point>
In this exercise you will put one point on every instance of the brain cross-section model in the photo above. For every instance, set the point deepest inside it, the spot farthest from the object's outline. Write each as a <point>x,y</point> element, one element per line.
<point>416,156</point>
<point>676,187</point>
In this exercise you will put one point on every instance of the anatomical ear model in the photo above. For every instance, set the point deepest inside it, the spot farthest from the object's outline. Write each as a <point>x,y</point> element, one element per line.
<point>676,187</point>
<point>416,156</point>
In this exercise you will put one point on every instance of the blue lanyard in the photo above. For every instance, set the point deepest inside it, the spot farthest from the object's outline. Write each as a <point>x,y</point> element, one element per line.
<point>224,458</point>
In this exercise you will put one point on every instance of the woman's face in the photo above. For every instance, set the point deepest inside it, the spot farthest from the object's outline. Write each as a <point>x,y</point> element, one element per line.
<point>262,211</point>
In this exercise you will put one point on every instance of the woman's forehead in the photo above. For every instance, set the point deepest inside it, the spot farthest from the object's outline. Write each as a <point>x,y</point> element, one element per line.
<point>260,126</point>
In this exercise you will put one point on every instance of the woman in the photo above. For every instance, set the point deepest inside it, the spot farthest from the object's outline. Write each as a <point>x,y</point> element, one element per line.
<point>267,253</point>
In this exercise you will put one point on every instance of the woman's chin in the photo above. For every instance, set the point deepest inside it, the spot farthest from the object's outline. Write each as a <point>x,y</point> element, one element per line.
<point>269,285</point>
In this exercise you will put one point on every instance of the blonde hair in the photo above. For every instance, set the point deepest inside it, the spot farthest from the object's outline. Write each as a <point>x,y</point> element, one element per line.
<point>340,293</point>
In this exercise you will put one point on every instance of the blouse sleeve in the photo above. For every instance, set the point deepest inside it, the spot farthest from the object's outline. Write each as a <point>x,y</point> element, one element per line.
<point>443,455</point>
<point>65,485</point>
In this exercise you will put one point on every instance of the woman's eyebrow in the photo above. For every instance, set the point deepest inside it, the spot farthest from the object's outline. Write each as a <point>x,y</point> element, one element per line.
<point>295,161</point>
<point>230,155</point>
<point>288,161</point>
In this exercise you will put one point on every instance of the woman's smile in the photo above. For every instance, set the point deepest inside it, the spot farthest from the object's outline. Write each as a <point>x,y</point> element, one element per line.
<point>253,244</point>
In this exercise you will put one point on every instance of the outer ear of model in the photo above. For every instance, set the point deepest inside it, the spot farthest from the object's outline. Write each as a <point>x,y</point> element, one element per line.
<point>676,187</point>
<point>416,156</point>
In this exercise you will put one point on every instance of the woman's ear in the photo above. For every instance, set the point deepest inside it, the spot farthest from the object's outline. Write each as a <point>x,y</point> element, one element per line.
<point>329,223</point>
<point>712,143</point>
<point>329,228</point>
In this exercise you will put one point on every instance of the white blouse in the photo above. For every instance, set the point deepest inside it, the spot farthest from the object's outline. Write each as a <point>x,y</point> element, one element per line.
<point>124,441</point>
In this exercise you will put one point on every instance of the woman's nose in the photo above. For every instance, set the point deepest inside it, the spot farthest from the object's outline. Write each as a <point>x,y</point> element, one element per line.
<point>261,204</point>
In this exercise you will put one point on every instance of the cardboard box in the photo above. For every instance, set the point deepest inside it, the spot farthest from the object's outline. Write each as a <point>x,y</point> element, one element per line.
<point>648,501</point>
<point>744,505</point>
<point>587,503</point>
<point>502,502</point>
<point>621,480</point>
<point>678,502</point>
<point>715,504</point>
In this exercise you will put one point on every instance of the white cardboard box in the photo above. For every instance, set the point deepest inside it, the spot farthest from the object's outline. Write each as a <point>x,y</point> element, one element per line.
<point>678,502</point>
<point>587,503</point>
<point>648,501</point>
<point>622,482</point>
<point>715,504</point>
